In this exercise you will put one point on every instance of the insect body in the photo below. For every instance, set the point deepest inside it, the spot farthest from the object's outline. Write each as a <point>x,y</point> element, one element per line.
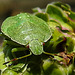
<point>27,29</point>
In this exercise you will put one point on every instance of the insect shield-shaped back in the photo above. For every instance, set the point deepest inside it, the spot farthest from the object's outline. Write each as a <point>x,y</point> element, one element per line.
<point>25,27</point>
<point>36,47</point>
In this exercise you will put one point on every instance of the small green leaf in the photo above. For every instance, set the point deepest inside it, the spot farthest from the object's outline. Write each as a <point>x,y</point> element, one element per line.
<point>2,60</point>
<point>70,44</point>
<point>9,72</point>
<point>43,16</point>
<point>58,14</point>
<point>63,6</point>
<point>37,9</point>
<point>52,68</point>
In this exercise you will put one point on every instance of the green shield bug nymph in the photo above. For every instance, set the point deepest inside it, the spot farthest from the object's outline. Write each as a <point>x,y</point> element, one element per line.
<point>27,29</point>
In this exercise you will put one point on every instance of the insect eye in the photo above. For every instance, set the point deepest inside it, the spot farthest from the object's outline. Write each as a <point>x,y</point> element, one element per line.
<point>43,44</point>
<point>27,46</point>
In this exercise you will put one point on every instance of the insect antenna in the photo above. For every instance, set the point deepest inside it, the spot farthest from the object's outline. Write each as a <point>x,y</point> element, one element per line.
<point>16,59</point>
<point>50,54</point>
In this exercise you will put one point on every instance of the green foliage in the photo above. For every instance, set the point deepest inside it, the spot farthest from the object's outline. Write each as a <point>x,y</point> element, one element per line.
<point>57,56</point>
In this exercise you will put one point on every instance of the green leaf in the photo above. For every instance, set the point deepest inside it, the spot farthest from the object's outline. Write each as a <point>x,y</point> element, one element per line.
<point>37,9</point>
<point>63,6</point>
<point>9,72</point>
<point>58,14</point>
<point>7,53</point>
<point>52,68</point>
<point>70,44</point>
<point>18,67</point>
<point>72,15</point>
<point>43,16</point>
<point>2,60</point>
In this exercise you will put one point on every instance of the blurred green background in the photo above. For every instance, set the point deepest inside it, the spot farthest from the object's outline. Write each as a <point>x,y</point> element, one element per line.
<point>13,7</point>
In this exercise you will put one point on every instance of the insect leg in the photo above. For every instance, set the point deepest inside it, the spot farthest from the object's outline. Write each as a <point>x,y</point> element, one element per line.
<point>17,58</point>
<point>14,55</point>
<point>50,54</point>
<point>19,49</point>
